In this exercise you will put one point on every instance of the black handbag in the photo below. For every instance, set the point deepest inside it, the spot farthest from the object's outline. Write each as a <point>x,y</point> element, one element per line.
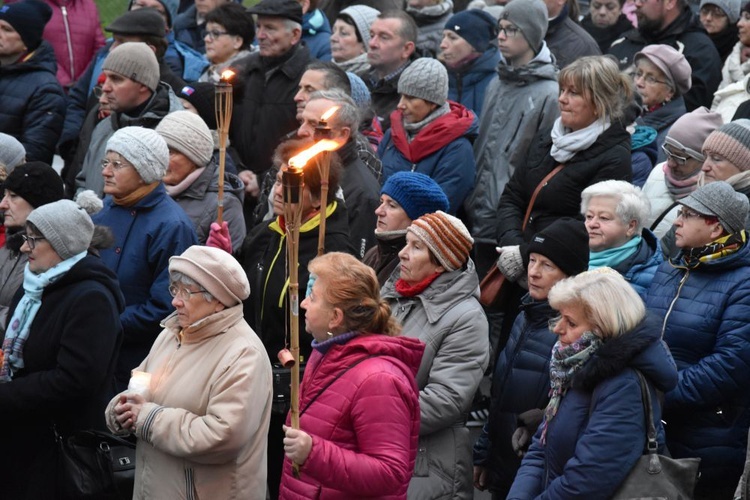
<point>95,465</point>
<point>654,475</point>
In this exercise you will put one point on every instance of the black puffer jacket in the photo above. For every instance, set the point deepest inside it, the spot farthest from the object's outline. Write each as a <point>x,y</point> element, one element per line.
<point>33,103</point>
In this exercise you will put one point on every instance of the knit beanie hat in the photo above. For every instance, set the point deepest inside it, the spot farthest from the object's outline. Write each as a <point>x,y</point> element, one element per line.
<point>721,200</point>
<point>144,148</point>
<point>187,133</point>
<point>477,27</point>
<point>36,182</point>
<point>65,225</point>
<point>216,271</point>
<point>732,141</point>
<point>201,96</point>
<point>565,242</point>
<point>730,7</point>
<point>530,16</point>
<point>445,236</point>
<point>672,63</point>
<point>690,131</point>
<point>363,17</point>
<point>417,193</point>
<point>360,93</point>
<point>28,18</point>
<point>12,152</point>
<point>146,22</point>
<point>134,60</point>
<point>425,78</point>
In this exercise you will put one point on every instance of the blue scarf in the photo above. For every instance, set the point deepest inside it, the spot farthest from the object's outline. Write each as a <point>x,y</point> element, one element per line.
<point>614,256</point>
<point>26,310</point>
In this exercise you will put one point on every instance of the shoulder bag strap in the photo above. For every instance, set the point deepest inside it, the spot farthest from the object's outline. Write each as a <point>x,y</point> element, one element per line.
<point>649,411</point>
<point>536,193</point>
<point>662,215</point>
<point>334,379</point>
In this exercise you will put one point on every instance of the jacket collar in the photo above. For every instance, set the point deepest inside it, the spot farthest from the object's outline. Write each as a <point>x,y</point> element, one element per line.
<point>208,327</point>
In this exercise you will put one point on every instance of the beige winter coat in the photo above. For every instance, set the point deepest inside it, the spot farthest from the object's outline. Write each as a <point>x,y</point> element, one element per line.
<point>203,433</point>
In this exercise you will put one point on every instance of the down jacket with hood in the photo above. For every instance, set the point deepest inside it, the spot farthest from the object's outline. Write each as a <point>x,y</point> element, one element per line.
<point>440,150</point>
<point>468,84</point>
<point>705,311</point>
<point>518,103</point>
<point>33,103</point>
<point>639,268</point>
<point>448,318</point>
<point>599,431</point>
<point>364,425</point>
<point>316,33</point>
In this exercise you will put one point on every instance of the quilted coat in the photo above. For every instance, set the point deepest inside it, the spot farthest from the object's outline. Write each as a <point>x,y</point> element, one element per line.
<point>364,425</point>
<point>639,268</point>
<point>468,84</point>
<point>706,326</point>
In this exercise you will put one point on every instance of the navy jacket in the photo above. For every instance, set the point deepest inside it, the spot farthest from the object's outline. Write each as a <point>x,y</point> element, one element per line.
<point>467,85</point>
<point>706,326</point>
<point>316,33</point>
<point>33,103</point>
<point>639,268</point>
<point>599,431</point>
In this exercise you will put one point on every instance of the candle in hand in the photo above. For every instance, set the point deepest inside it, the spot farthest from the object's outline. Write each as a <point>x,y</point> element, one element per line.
<point>140,383</point>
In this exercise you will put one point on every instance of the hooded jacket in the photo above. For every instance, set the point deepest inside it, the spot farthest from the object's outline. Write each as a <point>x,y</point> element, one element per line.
<point>448,318</point>
<point>440,150</point>
<point>202,431</point>
<point>705,311</point>
<point>467,85</point>
<point>687,36</point>
<point>568,41</point>
<point>69,360</point>
<point>519,102</point>
<point>316,33</point>
<point>599,431</point>
<point>33,103</point>
<point>187,30</point>
<point>364,425</point>
<point>639,268</point>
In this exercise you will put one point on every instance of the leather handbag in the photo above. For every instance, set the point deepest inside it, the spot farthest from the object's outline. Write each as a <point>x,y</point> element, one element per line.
<point>492,289</point>
<point>656,476</point>
<point>95,465</point>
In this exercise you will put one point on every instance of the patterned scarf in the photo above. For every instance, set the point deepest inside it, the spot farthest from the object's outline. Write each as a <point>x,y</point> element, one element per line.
<point>26,310</point>
<point>566,361</point>
<point>717,249</point>
<point>679,188</point>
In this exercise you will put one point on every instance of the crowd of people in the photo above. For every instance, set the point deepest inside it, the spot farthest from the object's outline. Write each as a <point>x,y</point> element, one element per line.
<point>596,157</point>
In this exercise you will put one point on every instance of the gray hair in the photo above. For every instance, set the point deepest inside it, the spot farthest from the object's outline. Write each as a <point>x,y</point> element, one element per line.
<point>347,115</point>
<point>632,203</point>
<point>185,280</point>
<point>292,25</point>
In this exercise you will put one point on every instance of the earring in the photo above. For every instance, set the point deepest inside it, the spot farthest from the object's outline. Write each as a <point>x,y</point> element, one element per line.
<point>329,334</point>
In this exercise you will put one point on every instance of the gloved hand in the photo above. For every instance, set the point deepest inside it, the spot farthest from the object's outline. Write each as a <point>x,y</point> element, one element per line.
<point>528,423</point>
<point>218,237</point>
<point>510,262</point>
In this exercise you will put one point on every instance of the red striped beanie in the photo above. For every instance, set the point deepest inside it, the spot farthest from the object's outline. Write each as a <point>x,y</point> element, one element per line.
<point>446,237</point>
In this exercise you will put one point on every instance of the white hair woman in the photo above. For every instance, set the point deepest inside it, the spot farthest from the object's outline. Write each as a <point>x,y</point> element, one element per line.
<point>615,212</point>
<point>594,429</point>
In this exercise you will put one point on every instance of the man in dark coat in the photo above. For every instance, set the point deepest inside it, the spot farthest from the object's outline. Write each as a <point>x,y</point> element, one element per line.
<point>566,39</point>
<point>671,22</point>
<point>33,102</point>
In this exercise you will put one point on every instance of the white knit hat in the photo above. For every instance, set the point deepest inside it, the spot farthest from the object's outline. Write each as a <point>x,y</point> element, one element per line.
<point>363,17</point>
<point>187,133</point>
<point>144,148</point>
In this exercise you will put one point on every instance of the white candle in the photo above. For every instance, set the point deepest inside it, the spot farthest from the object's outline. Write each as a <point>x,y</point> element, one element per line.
<point>140,383</point>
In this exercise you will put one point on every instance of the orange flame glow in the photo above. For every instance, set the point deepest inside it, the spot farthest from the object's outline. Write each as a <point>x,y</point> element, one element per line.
<point>328,114</point>
<point>227,75</point>
<point>302,158</point>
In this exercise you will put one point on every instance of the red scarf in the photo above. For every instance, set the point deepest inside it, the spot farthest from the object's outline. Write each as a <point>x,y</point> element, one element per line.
<point>406,290</point>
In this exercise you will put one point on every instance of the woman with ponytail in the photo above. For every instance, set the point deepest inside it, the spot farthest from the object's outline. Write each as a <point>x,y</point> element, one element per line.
<point>359,402</point>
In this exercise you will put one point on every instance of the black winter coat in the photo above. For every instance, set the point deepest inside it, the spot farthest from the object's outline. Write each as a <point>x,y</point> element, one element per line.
<point>33,103</point>
<point>608,158</point>
<point>362,197</point>
<point>69,361</point>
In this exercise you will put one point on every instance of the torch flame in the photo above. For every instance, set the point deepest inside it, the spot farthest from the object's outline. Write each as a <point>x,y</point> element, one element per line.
<point>328,114</point>
<point>227,75</point>
<point>322,145</point>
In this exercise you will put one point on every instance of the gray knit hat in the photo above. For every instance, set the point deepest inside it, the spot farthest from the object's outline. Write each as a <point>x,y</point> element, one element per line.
<point>730,7</point>
<point>363,17</point>
<point>144,148</point>
<point>721,200</point>
<point>530,16</point>
<point>732,141</point>
<point>690,131</point>
<point>65,225</point>
<point>12,152</point>
<point>216,271</point>
<point>427,79</point>
<point>134,60</point>
<point>187,133</point>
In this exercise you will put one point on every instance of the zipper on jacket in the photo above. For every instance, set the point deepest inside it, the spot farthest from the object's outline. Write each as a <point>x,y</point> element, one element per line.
<point>677,296</point>
<point>70,44</point>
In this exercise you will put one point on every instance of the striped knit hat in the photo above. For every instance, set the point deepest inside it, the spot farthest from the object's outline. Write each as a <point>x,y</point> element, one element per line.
<point>732,141</point>
<point>446,237</point>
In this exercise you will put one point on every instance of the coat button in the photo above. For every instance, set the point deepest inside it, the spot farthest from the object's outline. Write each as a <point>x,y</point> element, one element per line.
<point>118,250</point>
<point>132,213</point>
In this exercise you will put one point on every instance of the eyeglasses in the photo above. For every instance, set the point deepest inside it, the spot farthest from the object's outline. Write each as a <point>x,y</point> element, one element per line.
<point>97,91</point>
<point>680,160</point>
<point>214,34</point>
<point>688,214</point>
<point>713,11</point>
<point>115,164</point>
<point>648,78</point>
<point>182,293</point>
<point>508,31</point>
<point>31,240</point>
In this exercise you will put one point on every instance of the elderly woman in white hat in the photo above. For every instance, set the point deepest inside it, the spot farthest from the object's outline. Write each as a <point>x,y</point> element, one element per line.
<point>202,421</point>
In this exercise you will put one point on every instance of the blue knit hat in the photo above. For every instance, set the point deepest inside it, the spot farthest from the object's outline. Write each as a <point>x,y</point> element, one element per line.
<point>417,193</point>
<point>360,92</point>
<point>477,27</point>
<point>28,19</point>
